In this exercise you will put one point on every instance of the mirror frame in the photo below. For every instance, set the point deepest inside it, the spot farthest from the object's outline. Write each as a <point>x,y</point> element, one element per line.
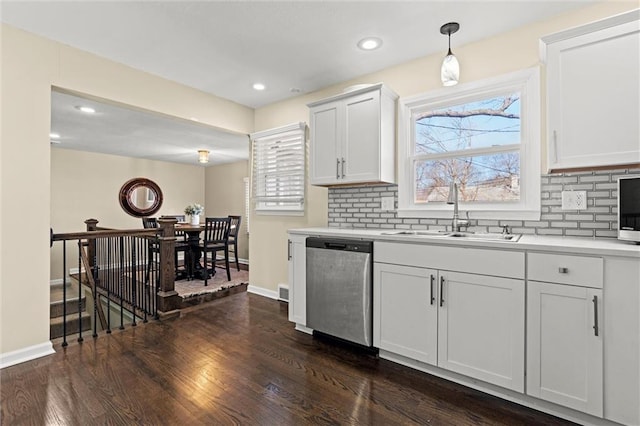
<point>127,203</point>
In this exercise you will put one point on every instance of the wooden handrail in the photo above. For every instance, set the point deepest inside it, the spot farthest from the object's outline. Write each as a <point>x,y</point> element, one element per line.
<point>109,233</point>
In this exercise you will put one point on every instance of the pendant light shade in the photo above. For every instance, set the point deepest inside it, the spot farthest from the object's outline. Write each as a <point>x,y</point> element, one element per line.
<point>203,156</point>
<point>450,71</point>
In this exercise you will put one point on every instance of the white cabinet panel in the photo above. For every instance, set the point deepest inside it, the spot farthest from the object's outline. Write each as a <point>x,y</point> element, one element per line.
<point>297,279</point>
<point>565,345</point>
<point>501,263</point>
<point>353,137</point>
<point>361,152</point>
<point>622,340</point>
<point>325,164</point>
<point>593,82</point>
<point>481,328</point>
<point>405,311</point>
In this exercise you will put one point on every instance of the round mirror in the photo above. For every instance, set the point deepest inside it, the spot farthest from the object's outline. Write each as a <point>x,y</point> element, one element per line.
<point>140,197</point>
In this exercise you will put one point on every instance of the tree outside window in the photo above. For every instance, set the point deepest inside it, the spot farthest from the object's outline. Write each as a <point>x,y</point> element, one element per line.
<point>475,144</point>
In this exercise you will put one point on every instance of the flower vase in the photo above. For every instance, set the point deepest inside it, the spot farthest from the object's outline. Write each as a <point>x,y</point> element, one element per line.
<point>195,219</point>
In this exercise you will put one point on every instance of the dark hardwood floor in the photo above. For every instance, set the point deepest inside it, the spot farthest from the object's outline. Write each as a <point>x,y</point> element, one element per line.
<point>236,360</point>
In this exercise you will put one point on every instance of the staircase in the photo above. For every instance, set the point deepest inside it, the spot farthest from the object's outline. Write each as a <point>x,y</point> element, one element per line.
<point>57,308</point>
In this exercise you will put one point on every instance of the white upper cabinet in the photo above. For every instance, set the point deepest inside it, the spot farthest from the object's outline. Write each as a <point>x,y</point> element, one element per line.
<point>353,137</point>
<point>593,94</point>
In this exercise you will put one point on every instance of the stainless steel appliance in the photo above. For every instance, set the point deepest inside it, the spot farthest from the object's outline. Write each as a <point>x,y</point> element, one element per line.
<point>629,208</point>
<point>339,288</point>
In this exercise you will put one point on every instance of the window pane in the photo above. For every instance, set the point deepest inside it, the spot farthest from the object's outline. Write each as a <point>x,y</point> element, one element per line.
<point>486,178</point>
<point>478,124</point>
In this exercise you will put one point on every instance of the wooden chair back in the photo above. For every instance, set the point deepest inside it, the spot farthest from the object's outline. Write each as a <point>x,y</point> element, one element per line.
<point>149,222</point>
<point>234,226</point>
<point>216,230</point>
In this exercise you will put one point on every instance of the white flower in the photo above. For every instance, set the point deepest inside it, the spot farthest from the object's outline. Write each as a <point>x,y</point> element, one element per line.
<point>193,209</point>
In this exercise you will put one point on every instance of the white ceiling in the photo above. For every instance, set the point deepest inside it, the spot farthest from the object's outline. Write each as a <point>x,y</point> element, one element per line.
<point>223,47</point>
<point>119,130</point>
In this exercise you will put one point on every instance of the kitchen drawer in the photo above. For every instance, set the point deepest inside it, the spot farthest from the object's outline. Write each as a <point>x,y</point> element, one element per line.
<point>582,271</point>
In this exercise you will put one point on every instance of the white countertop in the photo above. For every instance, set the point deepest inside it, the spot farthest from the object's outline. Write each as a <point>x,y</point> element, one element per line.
<point>594,246</point>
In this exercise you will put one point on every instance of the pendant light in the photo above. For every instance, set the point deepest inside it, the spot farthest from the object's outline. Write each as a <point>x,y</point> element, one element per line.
<point>450,71</point>
<point>203,156</point>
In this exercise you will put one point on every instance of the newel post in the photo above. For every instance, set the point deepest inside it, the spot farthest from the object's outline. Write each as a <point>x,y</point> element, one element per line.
<point>168,298</point>
<point>92,225</point>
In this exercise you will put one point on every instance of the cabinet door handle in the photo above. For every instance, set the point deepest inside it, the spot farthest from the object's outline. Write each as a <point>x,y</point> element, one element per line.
<point>288,249</point>
<point>595,316</point>
<point>337,168</point>
<point>441,291</point>
<point>343,167</point>
<point>433,279</point>
<point>563,270</point>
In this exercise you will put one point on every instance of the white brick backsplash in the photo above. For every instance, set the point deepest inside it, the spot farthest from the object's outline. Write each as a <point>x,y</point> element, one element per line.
<point>359,207</point>
<point>591,178</point>
<point>578,233</point>
<point>549,231</point>
<point>608,185</point>
<point>605,233</point>
<point>595,225</point>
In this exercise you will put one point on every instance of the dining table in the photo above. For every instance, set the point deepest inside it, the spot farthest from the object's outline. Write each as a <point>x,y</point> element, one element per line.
<point>192,265</point>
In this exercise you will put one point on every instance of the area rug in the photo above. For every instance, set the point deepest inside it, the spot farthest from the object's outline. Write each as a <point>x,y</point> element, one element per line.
<point>194,292</point>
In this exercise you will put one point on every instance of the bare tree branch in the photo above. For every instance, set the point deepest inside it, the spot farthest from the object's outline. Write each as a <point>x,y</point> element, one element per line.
<point>499,112</point>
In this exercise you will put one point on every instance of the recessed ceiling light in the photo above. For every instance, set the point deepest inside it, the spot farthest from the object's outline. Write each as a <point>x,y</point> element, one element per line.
<point>259,86</point>
<point>86,109</point>
<point>54,135</point>
<point>370,43</point>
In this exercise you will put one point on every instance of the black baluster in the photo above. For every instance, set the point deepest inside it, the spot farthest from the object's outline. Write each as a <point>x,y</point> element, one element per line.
<point>64,293</point>
<point>80,339</point>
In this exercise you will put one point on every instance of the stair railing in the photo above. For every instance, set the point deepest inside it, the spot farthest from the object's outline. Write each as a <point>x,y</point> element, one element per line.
<point>129,273</point>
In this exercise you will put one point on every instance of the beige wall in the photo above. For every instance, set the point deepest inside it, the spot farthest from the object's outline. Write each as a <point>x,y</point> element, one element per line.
<point>31,65</point>
<point>86,185</point>
<point>516,50</point>
<point>224,186</point>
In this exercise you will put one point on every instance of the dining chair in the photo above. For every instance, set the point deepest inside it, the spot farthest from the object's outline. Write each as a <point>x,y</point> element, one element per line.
<point>152,244</point>
<point>233,237</point>
<point>216,238</point>
<point>182,243</point>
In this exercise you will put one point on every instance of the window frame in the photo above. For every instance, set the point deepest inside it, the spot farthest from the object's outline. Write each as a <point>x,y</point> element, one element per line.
<point>261,205</point>
<point>527,82</point>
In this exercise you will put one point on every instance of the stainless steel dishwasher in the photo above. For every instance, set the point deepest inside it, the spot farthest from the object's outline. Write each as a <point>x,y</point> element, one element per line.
<point>339,288</point>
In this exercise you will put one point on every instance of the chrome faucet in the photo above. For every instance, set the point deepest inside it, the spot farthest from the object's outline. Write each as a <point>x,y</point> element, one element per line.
<point>456,222</point>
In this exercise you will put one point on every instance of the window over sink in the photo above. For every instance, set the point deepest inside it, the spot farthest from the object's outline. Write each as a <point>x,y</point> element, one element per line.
<point>483,135</point>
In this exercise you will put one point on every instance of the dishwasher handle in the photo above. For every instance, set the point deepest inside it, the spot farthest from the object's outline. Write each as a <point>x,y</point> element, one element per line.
<point>335,246</point>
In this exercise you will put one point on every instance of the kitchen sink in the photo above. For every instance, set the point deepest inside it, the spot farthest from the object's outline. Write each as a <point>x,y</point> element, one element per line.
<point>485,236</point>
<point>462,235</point>
<point>423,232</point>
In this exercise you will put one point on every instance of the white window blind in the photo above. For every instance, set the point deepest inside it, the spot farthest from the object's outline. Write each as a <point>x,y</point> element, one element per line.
<point>279,169</point>
<point>246,202</point>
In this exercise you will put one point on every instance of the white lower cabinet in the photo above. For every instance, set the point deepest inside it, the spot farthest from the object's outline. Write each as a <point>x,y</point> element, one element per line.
<point>296,255</point>
<point>565,345</point>
<point>467,323</point>
<point>405,311</point>
<point>622,340</point>
<point>481,328</point>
